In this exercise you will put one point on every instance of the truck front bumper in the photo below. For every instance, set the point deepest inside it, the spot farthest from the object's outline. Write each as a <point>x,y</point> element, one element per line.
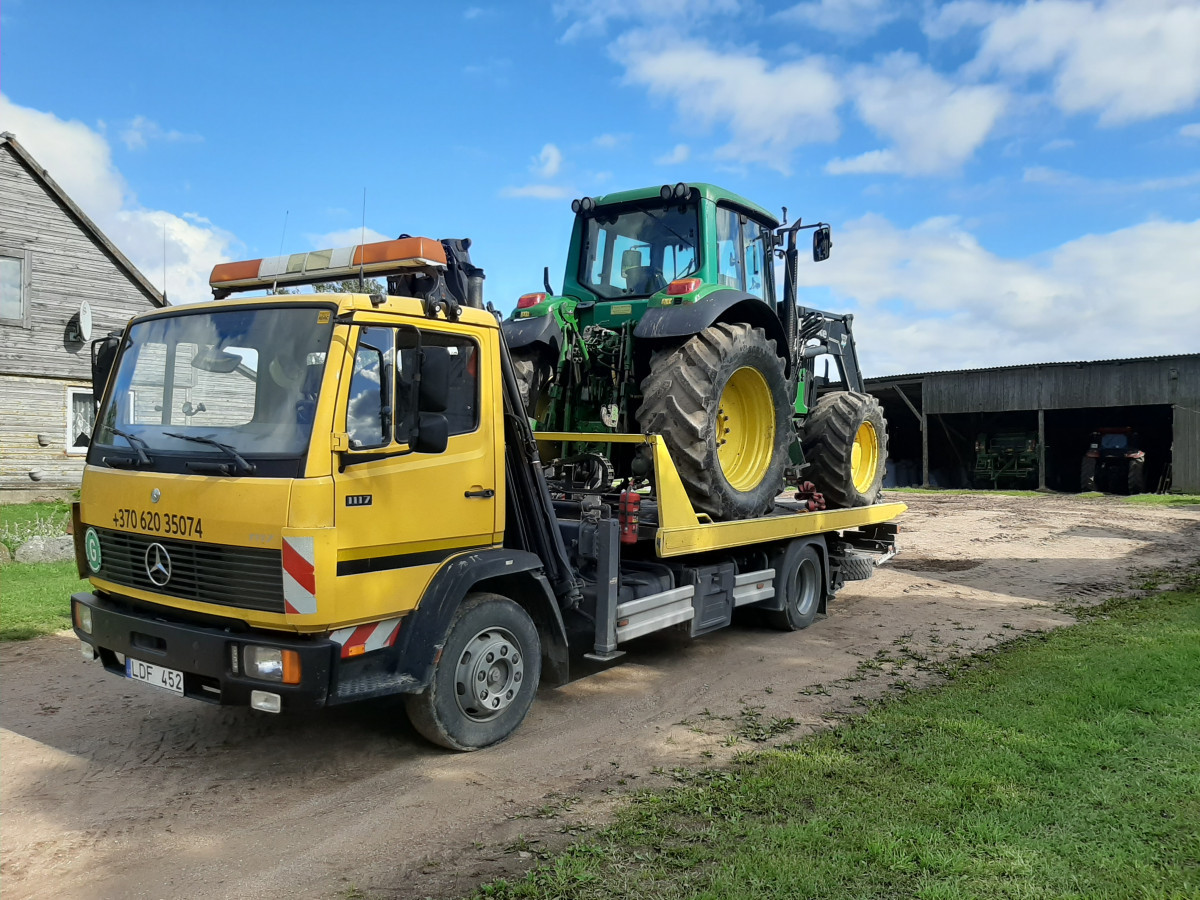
<point>204,654</point>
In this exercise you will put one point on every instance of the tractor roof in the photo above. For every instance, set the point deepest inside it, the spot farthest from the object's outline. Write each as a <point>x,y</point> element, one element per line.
<point>707,191</point>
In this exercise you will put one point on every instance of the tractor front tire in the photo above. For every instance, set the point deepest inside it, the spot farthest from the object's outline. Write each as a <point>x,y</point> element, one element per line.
<point>721,403</point>
<point>845,444</point>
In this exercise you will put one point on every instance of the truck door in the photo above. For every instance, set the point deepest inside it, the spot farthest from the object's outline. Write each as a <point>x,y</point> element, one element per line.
<point>399,514</point>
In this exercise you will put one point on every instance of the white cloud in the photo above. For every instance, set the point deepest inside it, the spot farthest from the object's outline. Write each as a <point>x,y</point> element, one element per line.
<point>1190,131</point>
<point>140,131</point>
<point>346,237</point>
<point>610,141</point>
<point>680,154</point>
<point>475,12</point>
<point>768,111</point>
<point>931,297</point>
<point>945,22</point>
<point>1057,178</point>
<point>935,125</point>
<point>1058,144</point>
<point>80,160</point>
<point>536,191</point>
<point>591,19</point>
<point>1125,60</point>
<point>547,163</point>
<point>844,18</point>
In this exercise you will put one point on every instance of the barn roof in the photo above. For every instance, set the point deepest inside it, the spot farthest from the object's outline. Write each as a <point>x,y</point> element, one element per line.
<point>1073,364</point>
<point>7,139</point>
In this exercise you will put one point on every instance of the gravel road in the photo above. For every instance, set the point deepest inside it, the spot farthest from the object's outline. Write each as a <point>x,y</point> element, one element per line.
<point>114,789</point>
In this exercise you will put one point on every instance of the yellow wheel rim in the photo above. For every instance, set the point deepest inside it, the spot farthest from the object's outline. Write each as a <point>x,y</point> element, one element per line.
<point>745,429</point>
<point>864,457</point>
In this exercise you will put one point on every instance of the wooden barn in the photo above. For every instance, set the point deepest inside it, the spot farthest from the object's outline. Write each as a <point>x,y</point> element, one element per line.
<point>62,282</point>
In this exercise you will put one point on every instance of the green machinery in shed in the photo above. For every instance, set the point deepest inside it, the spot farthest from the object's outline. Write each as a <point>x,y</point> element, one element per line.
<point>668,323</point>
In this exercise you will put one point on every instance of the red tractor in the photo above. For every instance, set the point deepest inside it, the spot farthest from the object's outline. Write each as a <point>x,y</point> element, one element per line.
<point>1114,463</point>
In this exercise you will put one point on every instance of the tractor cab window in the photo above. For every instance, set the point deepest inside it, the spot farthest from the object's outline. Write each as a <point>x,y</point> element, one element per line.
<point>1114,441</point>
<point>639,250</point>
<point>744,261</point>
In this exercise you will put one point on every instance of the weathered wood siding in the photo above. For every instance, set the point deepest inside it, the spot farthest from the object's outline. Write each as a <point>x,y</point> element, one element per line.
<point>68,265</point>
<point>33,413</point>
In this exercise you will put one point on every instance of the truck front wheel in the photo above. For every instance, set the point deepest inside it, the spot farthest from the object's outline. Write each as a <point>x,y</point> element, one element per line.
<point>485,678</point>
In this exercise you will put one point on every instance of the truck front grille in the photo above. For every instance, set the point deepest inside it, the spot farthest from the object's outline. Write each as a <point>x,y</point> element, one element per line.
<point>211,573</point>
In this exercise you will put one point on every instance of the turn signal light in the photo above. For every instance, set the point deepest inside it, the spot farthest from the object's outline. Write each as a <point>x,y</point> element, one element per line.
<point>683,286</point>
<point>528,300</point>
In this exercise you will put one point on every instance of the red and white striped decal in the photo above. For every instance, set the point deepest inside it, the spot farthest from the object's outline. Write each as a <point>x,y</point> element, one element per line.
<point>299,576</point>
<point>359,639</point>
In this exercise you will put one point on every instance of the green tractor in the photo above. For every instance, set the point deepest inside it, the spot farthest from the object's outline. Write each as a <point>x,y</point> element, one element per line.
<point>668,322</point>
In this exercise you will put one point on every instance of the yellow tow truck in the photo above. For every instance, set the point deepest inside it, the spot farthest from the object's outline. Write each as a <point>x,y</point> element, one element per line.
<point>300,500</point>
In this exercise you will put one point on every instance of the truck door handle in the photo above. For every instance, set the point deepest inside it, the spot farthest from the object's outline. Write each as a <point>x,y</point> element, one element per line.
<point>485,493</point>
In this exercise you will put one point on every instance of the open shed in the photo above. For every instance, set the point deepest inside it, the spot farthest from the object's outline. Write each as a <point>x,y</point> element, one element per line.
<point>937,419</point>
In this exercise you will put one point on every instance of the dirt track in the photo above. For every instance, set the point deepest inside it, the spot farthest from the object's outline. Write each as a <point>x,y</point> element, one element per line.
<point>113,789</point>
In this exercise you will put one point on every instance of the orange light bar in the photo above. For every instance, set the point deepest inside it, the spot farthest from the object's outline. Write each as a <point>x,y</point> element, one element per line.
<point>328,265</point>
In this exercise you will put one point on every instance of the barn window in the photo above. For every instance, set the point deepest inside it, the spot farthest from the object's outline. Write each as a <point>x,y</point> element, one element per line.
<point>81,416</point>
<point>14,288</point>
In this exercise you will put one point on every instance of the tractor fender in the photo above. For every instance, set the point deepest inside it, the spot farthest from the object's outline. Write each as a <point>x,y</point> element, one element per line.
<point>727,305</point>
<point>514,573</point>
<point>543,330</point>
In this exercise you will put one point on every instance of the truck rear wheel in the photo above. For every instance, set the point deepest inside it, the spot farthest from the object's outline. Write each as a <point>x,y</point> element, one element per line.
<point>485,678</point>
<point>720,402</point>
<point>798,585</point>
<point>845,443</point>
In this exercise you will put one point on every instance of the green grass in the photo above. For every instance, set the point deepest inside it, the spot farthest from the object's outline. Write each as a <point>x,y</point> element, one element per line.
<point>1065,765</point>
<point>1169,500</point>
<point>35,598</point>
<point>957,492</point>
<point>19,522</point>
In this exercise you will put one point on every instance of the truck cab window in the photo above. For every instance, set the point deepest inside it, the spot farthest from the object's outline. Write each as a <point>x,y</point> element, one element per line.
<point>369,410</point>
<point>462,411</point>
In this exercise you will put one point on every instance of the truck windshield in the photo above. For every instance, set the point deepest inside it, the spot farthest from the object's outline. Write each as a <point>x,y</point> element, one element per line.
<point>210,390</point>
<point>633,251</point>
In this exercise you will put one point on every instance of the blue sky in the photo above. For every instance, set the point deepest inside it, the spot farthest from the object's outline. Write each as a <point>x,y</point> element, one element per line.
<point>1007,182</point>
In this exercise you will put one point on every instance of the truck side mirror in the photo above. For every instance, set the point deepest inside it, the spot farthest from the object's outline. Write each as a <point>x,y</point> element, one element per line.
<point>435,380</point>
<point>104,356</point>
<point>822,241</point>
<point>433,433</point>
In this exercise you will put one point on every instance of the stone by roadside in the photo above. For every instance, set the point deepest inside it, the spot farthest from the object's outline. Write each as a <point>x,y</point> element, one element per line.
<point>46,549</point>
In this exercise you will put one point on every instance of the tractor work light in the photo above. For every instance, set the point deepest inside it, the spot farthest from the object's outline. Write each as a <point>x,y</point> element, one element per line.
<point>587,204</point>
<point>527,300</point>
<point>271,664</point>
<point>678,192</point>
<point>327,265</point>
<point>683,286</point>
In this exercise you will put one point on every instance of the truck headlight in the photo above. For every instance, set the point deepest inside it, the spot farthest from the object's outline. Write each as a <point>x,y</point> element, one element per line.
<point>83,618</point>
<point>271,664</point>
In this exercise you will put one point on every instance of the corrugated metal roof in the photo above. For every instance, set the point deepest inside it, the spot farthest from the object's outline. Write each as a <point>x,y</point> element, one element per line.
<point>1046,365</point>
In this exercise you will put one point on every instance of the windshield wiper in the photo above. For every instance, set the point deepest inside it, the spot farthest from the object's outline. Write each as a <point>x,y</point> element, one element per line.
<point>139,447</point>
<point>246,467</point>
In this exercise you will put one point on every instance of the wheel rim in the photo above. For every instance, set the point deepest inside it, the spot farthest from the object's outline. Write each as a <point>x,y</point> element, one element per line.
<point>489,674</point>
<point>807,576</point>
<point>864,457</point>
<point>745,429</point>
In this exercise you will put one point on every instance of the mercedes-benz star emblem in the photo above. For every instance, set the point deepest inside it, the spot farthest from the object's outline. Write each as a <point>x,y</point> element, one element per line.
<point>158,564</point>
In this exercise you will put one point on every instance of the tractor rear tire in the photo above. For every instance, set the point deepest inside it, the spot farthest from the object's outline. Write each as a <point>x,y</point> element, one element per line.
<point>532,371</point>
<point>721,403</point>
<point>845,444</point>
<point>1087,475</point>
<point>1135,480</point>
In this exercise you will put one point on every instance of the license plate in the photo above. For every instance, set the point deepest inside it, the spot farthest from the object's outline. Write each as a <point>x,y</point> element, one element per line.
<point>159,676</point>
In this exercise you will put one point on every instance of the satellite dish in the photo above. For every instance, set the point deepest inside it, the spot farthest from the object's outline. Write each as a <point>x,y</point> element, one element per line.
<point>85,321</point>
